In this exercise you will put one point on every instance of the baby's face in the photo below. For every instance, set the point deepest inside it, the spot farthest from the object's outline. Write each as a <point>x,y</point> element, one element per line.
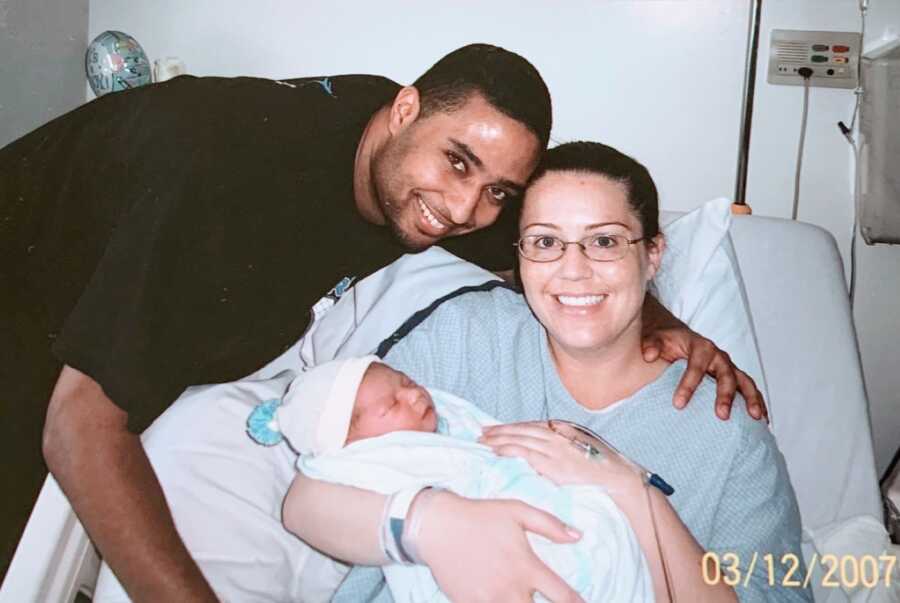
<point>388,400</point>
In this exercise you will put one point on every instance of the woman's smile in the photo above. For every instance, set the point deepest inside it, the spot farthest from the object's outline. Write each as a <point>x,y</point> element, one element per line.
<point>579,301</point>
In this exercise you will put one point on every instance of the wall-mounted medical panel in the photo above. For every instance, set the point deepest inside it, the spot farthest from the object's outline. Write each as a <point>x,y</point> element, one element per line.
<point>880,147</point>
<point>831,55</point>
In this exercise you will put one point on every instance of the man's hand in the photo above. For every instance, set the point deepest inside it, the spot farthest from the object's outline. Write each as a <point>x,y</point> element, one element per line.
<point>704,357</point>
<point>104,472</point>
<point>667,337</point>
<point>477,550</point>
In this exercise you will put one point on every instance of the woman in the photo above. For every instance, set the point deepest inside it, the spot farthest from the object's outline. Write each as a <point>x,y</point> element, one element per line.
<point>570,349</point>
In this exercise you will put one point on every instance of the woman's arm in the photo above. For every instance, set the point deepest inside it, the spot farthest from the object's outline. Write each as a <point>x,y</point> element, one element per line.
<point>341,521</point>
<point>477,550</point>
<point>554,457</point>
<point>683,554</point>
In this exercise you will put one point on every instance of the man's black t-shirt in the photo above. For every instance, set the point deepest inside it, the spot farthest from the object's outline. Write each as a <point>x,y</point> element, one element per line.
<point>180,233</point>
<point>177,234</point>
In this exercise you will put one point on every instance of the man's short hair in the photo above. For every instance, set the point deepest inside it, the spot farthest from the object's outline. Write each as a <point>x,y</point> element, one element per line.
<point>505,79</point>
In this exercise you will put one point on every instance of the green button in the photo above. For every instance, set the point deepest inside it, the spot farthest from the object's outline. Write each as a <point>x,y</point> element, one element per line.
<point>817,58</point>
<point>820,47</point>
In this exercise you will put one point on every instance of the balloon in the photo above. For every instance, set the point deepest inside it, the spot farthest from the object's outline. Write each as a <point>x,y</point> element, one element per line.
<point>115,61</point>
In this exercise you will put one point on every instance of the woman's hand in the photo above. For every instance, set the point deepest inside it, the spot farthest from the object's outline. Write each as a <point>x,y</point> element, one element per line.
<point>555,457</point>
<point>477,550</point>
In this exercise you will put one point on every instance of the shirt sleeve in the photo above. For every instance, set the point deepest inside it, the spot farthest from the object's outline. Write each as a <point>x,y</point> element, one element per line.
<point>199,280</point>
<point>159,314</point>
<point>757,524</point>
<point>206,274</point>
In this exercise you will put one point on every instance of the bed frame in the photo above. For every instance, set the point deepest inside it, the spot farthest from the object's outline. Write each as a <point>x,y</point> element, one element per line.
<point>802,318</point>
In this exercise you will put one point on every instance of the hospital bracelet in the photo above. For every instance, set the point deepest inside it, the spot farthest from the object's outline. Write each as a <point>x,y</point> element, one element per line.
<point>393,522</point>
<point>410,538</point>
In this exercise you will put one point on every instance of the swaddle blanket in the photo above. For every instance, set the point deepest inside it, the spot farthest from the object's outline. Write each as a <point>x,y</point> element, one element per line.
<point>605,565</point>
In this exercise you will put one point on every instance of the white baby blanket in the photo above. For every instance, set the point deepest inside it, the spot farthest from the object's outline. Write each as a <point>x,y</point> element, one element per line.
<point>605,565</point>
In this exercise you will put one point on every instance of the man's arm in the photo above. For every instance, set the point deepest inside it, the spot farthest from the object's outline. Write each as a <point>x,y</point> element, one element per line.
<point>667,337</point>
<point>104,472</point>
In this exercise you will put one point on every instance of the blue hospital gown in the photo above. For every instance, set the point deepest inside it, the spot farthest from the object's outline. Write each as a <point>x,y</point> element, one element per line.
<point>732,489</point>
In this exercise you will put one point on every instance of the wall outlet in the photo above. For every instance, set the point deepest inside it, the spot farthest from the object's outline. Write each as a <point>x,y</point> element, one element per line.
<point>833,57</point>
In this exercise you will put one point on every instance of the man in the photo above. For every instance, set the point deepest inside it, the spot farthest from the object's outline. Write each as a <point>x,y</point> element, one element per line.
<point>179,233</point>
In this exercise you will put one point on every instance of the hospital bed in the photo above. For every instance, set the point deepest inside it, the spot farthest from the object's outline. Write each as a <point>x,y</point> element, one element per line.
<point>795,293</point>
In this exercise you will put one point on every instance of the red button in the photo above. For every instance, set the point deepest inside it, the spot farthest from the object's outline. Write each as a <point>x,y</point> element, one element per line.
<point>840,49</point>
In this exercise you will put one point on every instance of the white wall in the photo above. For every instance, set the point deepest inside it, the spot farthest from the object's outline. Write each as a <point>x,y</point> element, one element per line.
<point>42,44</point>
<point>660,79</point>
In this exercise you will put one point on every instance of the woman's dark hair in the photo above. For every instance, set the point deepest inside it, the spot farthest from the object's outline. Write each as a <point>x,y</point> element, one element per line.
<point>506,80</point>
<point>603,160</point>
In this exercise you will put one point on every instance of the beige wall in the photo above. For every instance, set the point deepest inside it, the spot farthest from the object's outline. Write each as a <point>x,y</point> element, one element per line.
<point>42,44</point>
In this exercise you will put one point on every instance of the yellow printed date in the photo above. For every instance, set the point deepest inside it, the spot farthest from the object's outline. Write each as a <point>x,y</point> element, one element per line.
<point>787,571</point>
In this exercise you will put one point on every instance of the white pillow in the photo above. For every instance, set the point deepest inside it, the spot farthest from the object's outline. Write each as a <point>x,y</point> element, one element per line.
<point>700,283</point>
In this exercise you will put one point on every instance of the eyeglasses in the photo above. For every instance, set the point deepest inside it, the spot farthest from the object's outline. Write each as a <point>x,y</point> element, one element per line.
<point>596,247</point>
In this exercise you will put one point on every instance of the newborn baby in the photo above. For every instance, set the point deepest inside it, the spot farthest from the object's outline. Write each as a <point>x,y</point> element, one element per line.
<point>361,423</point>
<point>340,402</point>
<point>388,401</point>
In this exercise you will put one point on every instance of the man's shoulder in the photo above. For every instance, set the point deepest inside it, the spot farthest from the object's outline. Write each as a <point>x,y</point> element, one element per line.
<point>356,82</point>
<point>326,83</point>
<point>351,87</point>
<point>264,103</point>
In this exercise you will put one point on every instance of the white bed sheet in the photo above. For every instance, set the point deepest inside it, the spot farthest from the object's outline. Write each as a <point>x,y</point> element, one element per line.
<point>794,286</point>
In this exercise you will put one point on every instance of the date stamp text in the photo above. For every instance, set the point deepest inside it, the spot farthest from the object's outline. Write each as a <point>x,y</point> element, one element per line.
<point>844,571</point>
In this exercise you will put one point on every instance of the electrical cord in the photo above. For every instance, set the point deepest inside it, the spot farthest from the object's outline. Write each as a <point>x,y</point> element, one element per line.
<point>848,134</point>
<point>806,72</point>
<point>863,9</point>
<point>667,574</point>
<point>857,190</point>
<point>853,235</point>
